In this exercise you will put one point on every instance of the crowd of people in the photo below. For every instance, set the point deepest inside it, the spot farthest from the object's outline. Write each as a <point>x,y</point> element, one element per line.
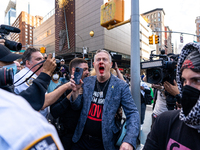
<point>85,116</point>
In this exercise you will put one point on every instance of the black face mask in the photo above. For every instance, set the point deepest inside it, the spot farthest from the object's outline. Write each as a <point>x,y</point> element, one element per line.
<point>189,98</point>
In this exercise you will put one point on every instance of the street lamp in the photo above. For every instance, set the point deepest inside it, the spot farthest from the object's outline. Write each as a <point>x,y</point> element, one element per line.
<point>84,50</point>
<point>91,33</point>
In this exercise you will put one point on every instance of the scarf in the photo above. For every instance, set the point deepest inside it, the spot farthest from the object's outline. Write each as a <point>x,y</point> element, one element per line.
<point>189,61</point>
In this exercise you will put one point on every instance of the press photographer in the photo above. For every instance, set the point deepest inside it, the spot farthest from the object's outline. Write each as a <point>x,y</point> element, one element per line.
<point>37,89</point>
<point>17,112</point>
<point>161,73</point>
<point>36,92</point>
<point>32,57</point>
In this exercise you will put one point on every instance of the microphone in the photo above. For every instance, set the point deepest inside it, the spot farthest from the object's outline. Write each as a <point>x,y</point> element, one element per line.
<point>10,28</point>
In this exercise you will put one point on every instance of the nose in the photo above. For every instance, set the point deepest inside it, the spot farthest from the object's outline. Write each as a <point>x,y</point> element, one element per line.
<point>87,72</point>
<point>186,82</point>
<point>101,60</point>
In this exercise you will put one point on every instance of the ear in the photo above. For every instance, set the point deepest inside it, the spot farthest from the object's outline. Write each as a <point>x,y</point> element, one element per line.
<point>93,64</point>
<point>73,70</point>
<point>111,64</point>
<point>28,63</point>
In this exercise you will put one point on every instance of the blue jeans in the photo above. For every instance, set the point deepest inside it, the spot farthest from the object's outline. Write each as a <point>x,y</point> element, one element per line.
<point>143,108</point>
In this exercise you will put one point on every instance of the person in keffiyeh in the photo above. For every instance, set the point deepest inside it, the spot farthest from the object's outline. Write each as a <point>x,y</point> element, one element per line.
<point>180,128</point>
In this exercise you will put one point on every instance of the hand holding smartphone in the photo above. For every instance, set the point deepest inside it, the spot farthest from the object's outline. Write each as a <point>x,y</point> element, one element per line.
<point>78,74</point>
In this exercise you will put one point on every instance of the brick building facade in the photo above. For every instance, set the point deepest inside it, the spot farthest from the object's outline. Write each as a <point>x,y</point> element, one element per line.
<point>156,23</point>
<point>64,33</point>
<point>25,22</point>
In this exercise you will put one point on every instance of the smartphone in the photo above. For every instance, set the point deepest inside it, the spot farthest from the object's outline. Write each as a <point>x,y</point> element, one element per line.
<point>53,55</point>
<point>113,65</point>
<point>78,74</point>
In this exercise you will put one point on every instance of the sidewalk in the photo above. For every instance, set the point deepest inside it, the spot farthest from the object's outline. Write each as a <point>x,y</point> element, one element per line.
<point>146,126</point>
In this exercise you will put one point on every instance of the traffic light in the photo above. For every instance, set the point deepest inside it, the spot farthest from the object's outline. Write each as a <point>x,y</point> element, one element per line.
<point>181,39</point>
<point>151,40</point>
<point>42,50</point>
<point>112,12</point>
<point>156,39</point>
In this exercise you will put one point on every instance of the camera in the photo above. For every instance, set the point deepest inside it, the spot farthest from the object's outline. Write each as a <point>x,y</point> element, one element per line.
<point>6,77</point>
<point>58,65</point>
<point>160,70</point>
<point>4,31</point>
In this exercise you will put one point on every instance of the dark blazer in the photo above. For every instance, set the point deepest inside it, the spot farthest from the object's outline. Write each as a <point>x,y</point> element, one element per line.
<point>118,94</point>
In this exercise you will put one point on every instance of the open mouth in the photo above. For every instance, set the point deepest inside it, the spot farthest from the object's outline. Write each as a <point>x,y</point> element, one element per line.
<point>101,69</point>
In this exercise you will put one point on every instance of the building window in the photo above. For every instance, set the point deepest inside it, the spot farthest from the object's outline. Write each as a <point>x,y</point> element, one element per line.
<point>158,14</point>
<point>199,26</point>
<point>48,32</point>
<point>158,19</point>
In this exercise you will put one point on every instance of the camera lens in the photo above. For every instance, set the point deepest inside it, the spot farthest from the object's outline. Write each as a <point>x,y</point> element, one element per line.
<point>6,77</point>
<point>154,75</point>
<point>13,45</point>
